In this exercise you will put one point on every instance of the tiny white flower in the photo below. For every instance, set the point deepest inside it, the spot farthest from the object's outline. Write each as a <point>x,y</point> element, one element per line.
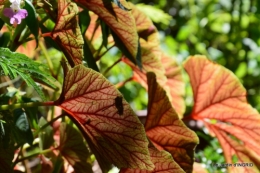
<point>15,5</point>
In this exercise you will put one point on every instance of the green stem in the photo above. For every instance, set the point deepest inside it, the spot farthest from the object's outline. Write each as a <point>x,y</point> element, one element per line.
<point>49,123</point>
<point>100,56</point>
<point>33,155</point>
<point>120,84</point>
<point>109,68</point>
<point>47,57</point>
<point>26,105</point>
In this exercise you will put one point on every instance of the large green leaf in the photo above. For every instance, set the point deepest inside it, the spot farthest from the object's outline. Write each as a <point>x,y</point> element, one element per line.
<point>22,130</point>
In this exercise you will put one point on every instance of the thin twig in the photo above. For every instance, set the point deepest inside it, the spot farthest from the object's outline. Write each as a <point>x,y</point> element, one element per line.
<point>100,56</point>
<point>109,68</point>
<point>120,84</point>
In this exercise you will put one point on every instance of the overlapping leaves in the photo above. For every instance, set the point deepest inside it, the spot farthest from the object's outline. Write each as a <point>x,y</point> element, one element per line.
<point>73,149</point>
<point>118,138</point>
<point>166,130</point>
<point>220,102</point>
<point>67,32</point>
<point>175,83</point>
<point>14,64</point>
<point>153,60</point>
<point>162,160</point>
<point>120,21</point>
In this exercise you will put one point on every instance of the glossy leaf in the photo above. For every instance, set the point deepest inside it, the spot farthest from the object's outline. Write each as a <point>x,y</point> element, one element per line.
<point>84,20</point>
<point>121,22</point>
<point>175,83</point>
<point>73,149</point>
<point>67,32</point>
<point>166,130</point>
<point>22,130</point>
<point>220,102</point>
<point>89,58</point>
<point>89,98</point>
<point>163,163</point>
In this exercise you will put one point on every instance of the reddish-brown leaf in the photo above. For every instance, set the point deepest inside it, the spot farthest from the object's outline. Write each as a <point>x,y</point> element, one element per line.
<point>243,154</point>
<point>175,83</point>
<point>73,149</point>
<point>120,21</point>
<point>67,32</point>
<point>89,98</point>
<point>165,129</point>
<point>220,102</point>
<point>150,63</point>
<point>163,163</point>
<point>148,34</point>
<point>150,51</point>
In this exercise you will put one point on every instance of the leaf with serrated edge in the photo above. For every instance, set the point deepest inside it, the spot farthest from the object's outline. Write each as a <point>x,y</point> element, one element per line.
<point>163,163</point>
<point>165,129</point>
<point>175,83</point>
<point>73,149</point>
<point>67,32</point>
<point>219,96</point>
<point>89,98</point>
<point>120,21</point>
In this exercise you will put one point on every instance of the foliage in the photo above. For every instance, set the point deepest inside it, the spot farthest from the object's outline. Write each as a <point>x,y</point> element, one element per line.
<point>98,63</point>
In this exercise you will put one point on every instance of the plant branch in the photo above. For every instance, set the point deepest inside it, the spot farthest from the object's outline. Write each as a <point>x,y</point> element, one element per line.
<point>120,84</point>
<point>47,57</point>
<point>99,56</point>
<point>49,123</point>
<point>26,105</point>
<point>109,68</point>
<point>33,155</point>
<point>48,34</point>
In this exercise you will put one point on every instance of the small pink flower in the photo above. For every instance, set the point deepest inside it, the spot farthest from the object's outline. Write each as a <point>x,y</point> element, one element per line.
<point>15,16</point>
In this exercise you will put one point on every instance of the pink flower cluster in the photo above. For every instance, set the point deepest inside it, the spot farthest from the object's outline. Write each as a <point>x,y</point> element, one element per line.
<point>15,13</point>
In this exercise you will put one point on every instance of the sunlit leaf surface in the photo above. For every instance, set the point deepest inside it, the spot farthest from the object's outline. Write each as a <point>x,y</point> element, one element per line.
<point>220,102</point>
<point>166,130</point>
<point>163,163</point>
<point>67,32</point>
<point>120,21</point>
<point>175,83</point>
<point>89,98</point>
